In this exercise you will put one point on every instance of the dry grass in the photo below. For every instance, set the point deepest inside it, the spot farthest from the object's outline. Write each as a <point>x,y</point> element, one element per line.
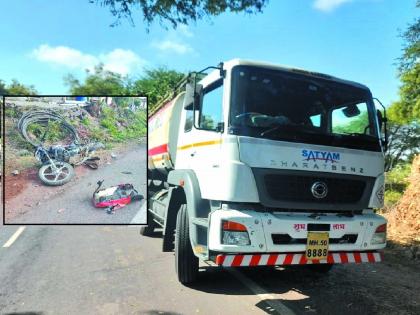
<point>404,217</point>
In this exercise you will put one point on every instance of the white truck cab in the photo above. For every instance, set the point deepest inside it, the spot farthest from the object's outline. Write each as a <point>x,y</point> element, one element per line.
<point>258,164</point>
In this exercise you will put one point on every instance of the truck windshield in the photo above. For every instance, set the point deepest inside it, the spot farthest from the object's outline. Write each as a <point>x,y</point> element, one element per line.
<point>297,107</point>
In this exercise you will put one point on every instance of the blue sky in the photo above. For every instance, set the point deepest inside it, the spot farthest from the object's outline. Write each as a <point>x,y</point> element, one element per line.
<point>353,39</point>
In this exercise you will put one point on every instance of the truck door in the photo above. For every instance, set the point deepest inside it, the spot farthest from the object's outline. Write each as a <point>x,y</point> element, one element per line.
<point>200,139</point>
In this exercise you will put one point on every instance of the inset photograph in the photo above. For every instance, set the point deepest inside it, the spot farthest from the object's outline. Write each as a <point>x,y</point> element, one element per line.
<point>75,160</point>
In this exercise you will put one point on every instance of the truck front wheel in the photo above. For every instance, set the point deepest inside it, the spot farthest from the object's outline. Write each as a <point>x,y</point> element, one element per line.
<point>186,263</point>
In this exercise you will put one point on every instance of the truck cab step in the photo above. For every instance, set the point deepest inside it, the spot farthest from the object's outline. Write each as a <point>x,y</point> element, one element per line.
<point>200,221</point>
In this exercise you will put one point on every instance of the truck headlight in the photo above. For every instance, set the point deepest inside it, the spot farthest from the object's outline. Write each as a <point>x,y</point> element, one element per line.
<point>234,233</point>
<point>379,237</point>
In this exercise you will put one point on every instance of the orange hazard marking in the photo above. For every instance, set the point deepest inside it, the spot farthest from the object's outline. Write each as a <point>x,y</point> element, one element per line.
<point>199,144</point>
<point>157,159</point>
<point>162,156</point>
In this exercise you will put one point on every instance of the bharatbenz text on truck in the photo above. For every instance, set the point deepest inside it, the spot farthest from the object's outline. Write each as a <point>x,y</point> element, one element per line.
<point>255,164</point>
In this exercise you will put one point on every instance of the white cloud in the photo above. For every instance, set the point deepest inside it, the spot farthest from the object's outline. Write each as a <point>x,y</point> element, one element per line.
<point>62,55</point>
<point>183,30</point>
<point>119,60</point>
<point>329,5</point>
<point>172,46</point>
<point>175,41</point>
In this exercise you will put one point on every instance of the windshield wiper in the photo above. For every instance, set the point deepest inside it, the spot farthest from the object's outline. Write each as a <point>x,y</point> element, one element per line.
<point>270,130</point>
<point>362,135</point>
<point>290,127</point>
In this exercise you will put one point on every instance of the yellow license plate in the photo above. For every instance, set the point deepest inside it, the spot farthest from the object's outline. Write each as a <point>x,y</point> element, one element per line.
<point>317,245</point>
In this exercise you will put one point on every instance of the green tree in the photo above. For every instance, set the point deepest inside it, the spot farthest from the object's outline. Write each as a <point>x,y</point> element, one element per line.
<point>403,144</point>
<point>100,82</point>
<point>404,115</point>
<point>156,84</point>
<point>3,89</point>
<point>16,88</point>
<point>408,108</point>
<point>178,11</point>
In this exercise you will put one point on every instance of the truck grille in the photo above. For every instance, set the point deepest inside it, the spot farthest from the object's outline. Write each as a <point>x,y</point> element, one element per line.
<point>298,188</point>
<point>290,189</point>
<point>285,239</point>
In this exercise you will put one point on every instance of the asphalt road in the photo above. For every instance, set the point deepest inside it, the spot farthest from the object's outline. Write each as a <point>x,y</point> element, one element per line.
<point>114,270</point>
<point>72,202</point>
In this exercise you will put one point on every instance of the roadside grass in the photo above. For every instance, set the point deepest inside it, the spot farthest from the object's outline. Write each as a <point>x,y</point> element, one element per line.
<point>396,181</point>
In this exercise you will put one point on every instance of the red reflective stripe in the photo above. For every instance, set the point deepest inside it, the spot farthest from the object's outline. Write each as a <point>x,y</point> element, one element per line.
<point>158,150</point>
<point>288,259</point>
<point>255,260</point>
<point>237,260</point>
<point>272,259</point>
<point>343,257</point>
<point>357,258</point>
<point>330,259</point>
<point>220,259</point>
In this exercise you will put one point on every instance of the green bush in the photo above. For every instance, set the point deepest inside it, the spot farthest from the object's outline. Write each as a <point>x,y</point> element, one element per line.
<point>85,121</point>
<point>392,197</point>
<point>53,132</point>
<point>396,182</point>
<point>16,139</point>
<point>397,178</point>
<point>12,112</point>
<point>135,124</point>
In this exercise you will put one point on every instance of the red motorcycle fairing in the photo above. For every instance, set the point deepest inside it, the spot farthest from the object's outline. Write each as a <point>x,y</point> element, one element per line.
<point>115,196</point>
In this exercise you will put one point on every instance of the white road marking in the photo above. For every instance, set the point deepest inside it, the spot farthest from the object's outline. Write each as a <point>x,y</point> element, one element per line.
<point>263,295</point>
<point>141,216</point>
<point>14,237</point>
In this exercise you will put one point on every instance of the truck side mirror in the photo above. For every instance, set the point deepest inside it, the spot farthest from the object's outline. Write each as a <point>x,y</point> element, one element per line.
<point>351,111</point>
<point>382,120</point>
<point>192,96</point>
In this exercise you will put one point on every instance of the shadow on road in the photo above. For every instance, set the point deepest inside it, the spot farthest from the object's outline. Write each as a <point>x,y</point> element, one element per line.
<point>302,290</point>
<point>385,288</point>
<point>155,234</point>
<point>156,312</point>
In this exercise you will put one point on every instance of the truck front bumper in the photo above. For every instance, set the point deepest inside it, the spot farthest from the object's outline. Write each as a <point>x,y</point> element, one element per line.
<point>279,238</point>
<point>285,259</point>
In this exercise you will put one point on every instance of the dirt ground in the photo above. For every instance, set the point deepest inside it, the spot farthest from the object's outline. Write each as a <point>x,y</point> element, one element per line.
<point>404,218</point>
<point>389,287</point>
<point>18,185</point>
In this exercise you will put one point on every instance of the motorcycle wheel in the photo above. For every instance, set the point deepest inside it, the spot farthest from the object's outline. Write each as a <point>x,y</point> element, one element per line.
<point>62,175</point>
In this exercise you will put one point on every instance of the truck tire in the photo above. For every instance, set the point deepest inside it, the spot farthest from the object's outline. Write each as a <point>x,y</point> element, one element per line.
<point>147,230</point>
<point>186,263</point>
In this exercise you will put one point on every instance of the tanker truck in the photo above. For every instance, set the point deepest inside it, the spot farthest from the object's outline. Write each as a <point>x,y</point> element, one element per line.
<point>254,164</point>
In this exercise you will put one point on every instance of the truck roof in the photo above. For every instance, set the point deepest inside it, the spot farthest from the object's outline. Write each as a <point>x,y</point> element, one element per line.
<point>237,61</point>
